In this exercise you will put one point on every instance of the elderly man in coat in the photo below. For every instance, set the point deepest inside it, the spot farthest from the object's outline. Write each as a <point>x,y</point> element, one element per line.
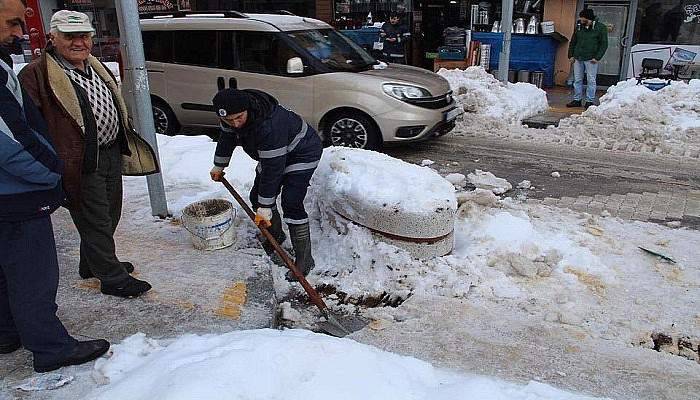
<point>88,121</point>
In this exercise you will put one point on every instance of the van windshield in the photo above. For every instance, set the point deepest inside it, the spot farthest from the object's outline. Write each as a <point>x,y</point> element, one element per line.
<point>333,49</point>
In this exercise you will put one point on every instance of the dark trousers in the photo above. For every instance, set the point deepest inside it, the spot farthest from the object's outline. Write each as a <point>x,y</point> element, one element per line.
<point>28,285</point>
<point>294,187</point>
<point>98,216</point>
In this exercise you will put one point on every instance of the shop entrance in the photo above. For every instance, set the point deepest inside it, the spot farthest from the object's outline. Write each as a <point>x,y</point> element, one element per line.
<point>614,15</point>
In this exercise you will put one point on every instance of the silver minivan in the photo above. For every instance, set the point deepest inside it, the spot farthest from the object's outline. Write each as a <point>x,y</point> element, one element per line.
<point>348,96</point>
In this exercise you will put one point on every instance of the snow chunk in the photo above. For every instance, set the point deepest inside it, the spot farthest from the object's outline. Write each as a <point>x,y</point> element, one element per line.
<point>488,181</point>
<point>480,93</point>
<point>525,184</point>
<point>459,180</point>
<point>556,174</point>
<point>426,163</point>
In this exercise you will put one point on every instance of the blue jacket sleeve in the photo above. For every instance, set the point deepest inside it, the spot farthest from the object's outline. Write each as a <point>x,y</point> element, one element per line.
<point>225,146</point>
<point>272,150</point>
<point>24,153</point>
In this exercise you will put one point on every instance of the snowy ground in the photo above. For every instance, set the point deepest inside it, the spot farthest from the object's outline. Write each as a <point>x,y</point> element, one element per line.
<point>554,270</point>
<point>530,294</point>
<point>628,113</point>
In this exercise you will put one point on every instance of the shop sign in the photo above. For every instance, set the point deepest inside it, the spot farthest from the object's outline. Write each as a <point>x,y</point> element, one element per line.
<point>157,6</point>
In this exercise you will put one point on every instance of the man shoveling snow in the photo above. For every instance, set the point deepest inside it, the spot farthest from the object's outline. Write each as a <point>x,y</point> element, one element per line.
<point>288,151</point>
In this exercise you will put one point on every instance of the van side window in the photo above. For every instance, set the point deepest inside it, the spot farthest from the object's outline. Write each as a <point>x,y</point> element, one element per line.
<point>158,46</point>
<point>263,53</point>
<point>195,48</point>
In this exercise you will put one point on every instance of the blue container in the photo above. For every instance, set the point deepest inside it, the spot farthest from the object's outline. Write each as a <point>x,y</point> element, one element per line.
<point>452,53</point>
<point>527,52</point>
<point>365,37</point>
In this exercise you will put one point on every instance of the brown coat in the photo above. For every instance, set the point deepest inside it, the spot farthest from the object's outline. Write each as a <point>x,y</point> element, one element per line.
<point>53,92</point>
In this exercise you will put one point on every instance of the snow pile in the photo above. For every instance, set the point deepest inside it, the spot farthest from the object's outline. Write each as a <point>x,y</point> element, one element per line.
<point>484,96</point>
<point>354,180</point>
<point>634,113</point>
<point>292,364</point>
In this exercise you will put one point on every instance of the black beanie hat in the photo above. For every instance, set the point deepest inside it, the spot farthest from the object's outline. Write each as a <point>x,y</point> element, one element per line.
<point>587,13</point>
<point>230,101</point>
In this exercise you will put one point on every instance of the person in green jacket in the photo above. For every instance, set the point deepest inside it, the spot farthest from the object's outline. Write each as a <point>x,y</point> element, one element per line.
<point>588,45</point>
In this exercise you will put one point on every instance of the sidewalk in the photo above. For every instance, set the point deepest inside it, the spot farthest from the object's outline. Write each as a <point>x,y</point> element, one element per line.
<point>557,97</point>
<point>193,292</point>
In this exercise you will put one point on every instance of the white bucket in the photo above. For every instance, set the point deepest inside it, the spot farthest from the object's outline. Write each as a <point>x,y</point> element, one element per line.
<point>210,222</point>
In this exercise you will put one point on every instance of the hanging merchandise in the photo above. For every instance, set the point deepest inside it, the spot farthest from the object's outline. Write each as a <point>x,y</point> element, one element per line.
<point>519,25</point>
<point>533,26</point>
<point>496,26</point>
<point>484,60</point>
<point>474,16</point>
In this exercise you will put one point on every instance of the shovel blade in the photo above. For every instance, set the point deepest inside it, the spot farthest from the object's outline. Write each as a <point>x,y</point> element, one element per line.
<point>333,327</point>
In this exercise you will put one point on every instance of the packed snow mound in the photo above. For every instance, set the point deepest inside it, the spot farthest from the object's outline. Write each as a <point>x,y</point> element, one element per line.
<point>482,94</point>
<point>356,179</point>
<point>631,112</point>
<point>290,364</point>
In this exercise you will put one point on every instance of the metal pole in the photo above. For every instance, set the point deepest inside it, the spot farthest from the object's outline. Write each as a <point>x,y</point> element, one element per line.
<point>135,86</point>
<point>506,27</point>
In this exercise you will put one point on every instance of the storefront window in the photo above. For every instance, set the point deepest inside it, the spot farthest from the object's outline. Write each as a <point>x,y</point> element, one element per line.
<point>668,21</point>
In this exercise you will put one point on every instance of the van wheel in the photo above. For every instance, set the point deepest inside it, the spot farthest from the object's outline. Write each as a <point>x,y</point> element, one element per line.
<point>353,130</point>
<point>164,119</point>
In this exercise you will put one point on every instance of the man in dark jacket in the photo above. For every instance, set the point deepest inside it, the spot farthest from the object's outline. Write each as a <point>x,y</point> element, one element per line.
<point>394,34</point>
<point>588,46</point>
<point>288,151</point>
<point>30,191</point>
<point>89,123</point>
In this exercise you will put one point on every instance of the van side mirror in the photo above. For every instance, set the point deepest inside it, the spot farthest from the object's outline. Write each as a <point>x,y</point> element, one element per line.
<point>295,66</point>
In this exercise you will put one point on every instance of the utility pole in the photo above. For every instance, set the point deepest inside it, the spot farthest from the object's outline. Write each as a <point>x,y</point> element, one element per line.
<point>137,91</point>
<point>506,27</point>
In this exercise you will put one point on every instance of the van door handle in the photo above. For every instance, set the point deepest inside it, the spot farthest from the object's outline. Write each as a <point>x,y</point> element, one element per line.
<point>233,83</point>
<point>220,83</point>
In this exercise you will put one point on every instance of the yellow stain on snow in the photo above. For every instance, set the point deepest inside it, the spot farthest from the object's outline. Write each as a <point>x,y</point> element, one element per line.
<point>232,300</point>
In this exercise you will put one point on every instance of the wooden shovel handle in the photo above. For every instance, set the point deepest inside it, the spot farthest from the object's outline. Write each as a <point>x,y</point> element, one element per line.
<point>315,298</point>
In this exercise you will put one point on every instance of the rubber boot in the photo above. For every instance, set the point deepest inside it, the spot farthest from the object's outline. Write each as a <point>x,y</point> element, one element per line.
<point>301,241</point>
<point>278,234</point>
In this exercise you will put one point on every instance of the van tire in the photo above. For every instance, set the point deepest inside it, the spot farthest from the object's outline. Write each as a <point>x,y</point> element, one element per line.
<point>353,129</point>
<point>164,118</point>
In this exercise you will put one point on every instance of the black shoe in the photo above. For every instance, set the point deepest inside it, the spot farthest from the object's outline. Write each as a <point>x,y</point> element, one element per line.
<point>574,103</point>
<point>10,347</point>
<point>83,352</point>
<point>587,104</point>
<point>131,288</point>
<point>85,272</point>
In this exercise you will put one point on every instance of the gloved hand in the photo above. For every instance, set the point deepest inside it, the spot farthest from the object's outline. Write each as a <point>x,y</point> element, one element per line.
<point>217,173</point>
<point>263,217</point>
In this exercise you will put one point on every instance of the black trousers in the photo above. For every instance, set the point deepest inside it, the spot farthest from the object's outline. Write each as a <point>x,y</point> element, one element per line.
<point>294,187</point>
<point>28,285</point>
<point>98,217</point>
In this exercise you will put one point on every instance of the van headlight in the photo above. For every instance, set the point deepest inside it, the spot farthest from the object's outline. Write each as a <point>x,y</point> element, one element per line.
<point>405,92</point>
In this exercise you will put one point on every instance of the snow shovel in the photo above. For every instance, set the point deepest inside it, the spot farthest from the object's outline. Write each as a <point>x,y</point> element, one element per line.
<point>331,325</point>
